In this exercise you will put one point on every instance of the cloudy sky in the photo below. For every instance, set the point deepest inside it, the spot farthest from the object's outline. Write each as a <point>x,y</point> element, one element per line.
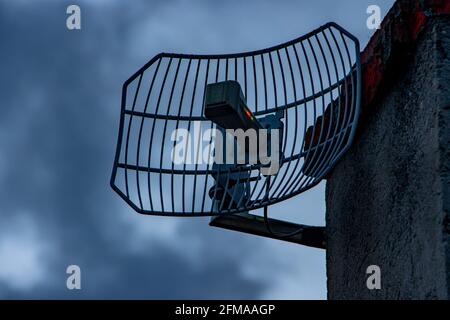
<point>60,99</point>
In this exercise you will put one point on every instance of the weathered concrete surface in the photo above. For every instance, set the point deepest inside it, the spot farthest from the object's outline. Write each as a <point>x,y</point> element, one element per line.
<point>388,200</point>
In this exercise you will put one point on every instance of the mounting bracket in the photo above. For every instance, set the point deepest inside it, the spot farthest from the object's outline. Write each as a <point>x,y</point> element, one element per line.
<point>252,224</point>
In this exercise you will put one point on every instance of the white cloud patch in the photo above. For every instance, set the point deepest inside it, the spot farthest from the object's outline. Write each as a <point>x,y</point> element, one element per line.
<point>23,253</point>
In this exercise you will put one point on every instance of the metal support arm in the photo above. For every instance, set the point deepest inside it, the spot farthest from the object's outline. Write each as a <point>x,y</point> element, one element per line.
<point>243,222</point>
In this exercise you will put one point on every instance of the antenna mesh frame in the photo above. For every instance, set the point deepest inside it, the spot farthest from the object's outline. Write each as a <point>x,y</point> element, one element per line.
<point>314,79</point>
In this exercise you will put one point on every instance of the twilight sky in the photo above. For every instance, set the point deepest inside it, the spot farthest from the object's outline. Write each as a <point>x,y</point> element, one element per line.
<point>60,102</point>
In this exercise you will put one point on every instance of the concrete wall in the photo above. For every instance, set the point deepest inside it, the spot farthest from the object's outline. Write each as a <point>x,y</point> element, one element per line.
<point>388,200</point>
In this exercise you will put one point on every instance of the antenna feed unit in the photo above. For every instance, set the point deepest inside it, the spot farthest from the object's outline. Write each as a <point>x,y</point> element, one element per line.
<point>225,105</point>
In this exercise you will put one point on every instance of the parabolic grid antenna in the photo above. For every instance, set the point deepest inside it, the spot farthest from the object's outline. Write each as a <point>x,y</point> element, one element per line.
<point>176,106</point>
